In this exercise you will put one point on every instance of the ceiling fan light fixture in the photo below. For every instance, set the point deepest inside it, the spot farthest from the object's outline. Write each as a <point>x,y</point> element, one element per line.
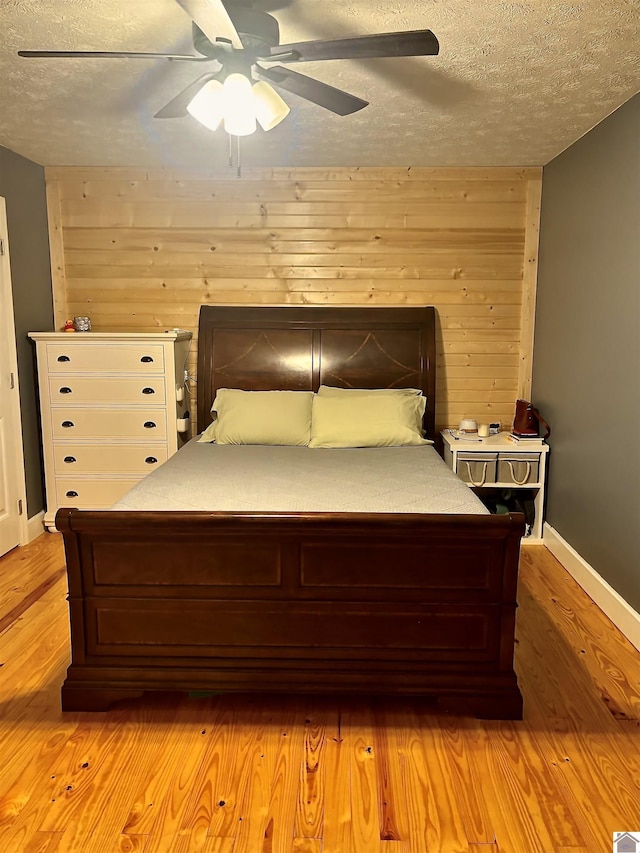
<point>270,108</point>
<point>239,106</point>
<point>208,105</point>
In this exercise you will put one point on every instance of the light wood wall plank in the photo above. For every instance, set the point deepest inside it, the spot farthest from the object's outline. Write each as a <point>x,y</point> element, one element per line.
<point>144,248</point>
<point>56,249</point>
<point>529,286</point>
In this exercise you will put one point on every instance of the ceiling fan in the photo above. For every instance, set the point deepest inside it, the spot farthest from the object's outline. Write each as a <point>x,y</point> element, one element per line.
<point>241,38</point>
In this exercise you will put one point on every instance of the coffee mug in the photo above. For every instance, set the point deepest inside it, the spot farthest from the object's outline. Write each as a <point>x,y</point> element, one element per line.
<point>468,425</point>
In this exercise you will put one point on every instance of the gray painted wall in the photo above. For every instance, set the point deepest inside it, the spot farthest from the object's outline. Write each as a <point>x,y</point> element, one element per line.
<point>23,187</point>
<point>586,368</point>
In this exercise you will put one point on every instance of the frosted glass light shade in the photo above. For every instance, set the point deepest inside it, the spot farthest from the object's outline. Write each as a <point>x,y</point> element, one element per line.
<point>269,106</point>
<point>239,106</point>
<point>208,105</point>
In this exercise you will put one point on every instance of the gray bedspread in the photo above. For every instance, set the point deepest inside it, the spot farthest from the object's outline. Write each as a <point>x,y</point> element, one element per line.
<point>235,478</point>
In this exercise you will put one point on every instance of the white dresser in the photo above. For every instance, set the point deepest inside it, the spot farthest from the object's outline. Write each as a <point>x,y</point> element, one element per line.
<point>113,407</point>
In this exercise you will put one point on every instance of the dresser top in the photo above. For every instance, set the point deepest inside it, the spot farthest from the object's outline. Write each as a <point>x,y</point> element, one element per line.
<point>168,335</point>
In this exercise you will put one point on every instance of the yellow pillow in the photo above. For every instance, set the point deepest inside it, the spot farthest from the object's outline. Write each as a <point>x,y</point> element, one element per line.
<point>330,390</point>
<point>367,420</point>
<point>261,417</point>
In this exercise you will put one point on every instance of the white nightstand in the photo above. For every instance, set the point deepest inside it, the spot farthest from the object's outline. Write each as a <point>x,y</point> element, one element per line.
<point>497,462</point>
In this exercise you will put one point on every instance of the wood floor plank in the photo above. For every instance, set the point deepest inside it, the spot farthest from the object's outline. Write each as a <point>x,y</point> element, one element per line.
<point>467,784</point>
<point>365,817</point>
<point>336,825</point>
<point>282,808</point>
<point>255,825</point>
<point>131,843</point>
<point>43,842</point>
<point>307,845</point>
<point>233,774</point>
<point>510,821</point>
<point>389,760</point>
<point>179,790</point>
<point>428,777</point>
<point>309,810</point>
<point>215,844</point>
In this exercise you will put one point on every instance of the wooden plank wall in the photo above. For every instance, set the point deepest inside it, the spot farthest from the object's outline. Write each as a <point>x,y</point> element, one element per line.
<point>142,250</point>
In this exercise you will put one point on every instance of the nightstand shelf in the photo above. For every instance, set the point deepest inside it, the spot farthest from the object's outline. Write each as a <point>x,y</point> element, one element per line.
<point>497,462</point>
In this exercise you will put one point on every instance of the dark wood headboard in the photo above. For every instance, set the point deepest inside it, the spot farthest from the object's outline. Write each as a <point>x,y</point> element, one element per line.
<point>299,348</point>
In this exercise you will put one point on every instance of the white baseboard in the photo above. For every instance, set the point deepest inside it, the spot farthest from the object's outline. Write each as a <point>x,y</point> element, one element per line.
<point>623,616</point>
<point>35,526</point>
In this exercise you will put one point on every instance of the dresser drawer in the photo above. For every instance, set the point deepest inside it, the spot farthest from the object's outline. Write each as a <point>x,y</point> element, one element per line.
<point>518,469</point>
<point>477,469</point>
<point>71,390</point>
<point>90,494</point>
<point>70,459</point>
<point>70,423</point>
<point>77,357</point>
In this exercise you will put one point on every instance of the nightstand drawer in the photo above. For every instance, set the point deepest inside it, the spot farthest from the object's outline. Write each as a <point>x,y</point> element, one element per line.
<point>68,424</point>
<point>88,357</point>
<point>518,469</point>
<point>71,390</point>
<point>477,469</point>
<point>71,459</point>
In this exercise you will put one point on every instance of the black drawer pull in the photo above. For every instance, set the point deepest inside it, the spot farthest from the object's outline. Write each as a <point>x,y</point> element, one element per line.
<point>71,494</point>
<point>69,458</point>
<point>146,359</point>
<point>148,391</point>
<point>67,424</point>
<point>65,390</point>
<point>63,358</point>
<point>151,460</point>
<point>149,425</point>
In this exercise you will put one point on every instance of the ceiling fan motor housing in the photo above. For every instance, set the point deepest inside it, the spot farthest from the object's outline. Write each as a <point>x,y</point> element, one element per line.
<point>256,29</point>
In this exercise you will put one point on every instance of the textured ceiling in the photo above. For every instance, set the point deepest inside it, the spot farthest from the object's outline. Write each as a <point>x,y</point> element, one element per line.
<point>515,83</point>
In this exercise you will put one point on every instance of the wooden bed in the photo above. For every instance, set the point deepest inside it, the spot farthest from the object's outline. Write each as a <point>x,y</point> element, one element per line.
<point>385,604</point>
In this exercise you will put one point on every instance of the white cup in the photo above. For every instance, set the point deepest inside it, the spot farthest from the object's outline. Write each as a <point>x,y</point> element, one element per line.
<point>483,430</point>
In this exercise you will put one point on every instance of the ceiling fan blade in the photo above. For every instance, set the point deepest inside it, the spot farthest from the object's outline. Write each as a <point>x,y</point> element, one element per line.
<point>313,90</point>
<point>109,54</point>
<point>177,107</point>
<point>213,19</point>
<point>412,43</point>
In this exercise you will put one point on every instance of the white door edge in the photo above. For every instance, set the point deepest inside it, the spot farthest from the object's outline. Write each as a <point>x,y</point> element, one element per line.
<point>15,436</point>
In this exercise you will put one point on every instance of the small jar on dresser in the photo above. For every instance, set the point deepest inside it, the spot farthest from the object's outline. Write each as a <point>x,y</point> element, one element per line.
<point>113,406</point>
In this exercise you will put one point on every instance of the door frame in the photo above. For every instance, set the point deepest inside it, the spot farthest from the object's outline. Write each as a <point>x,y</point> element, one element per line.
<point>14,417</point>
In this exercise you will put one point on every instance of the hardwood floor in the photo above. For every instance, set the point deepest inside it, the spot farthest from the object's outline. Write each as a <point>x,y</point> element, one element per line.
<point>248,774</point>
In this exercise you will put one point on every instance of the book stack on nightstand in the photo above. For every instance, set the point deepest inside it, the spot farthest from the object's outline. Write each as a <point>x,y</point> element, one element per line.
<point>501,462</point>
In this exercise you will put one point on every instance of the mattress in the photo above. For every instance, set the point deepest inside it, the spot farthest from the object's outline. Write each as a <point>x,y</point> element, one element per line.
<point>252,478</point>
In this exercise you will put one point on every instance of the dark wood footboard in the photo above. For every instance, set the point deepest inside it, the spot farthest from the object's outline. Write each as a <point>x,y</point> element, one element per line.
<point>419,605</point>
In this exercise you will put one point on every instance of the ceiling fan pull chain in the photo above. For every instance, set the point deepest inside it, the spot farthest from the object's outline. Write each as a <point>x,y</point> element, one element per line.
<point>239,166</point>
